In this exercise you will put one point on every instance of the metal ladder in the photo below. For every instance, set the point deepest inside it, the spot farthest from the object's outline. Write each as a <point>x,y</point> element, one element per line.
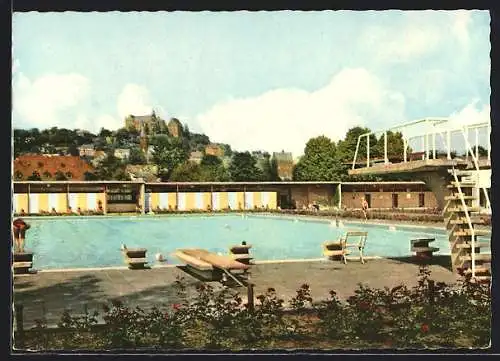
<point>461,232</point>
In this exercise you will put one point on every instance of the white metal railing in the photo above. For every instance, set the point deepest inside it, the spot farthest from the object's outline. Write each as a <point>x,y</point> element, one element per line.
<point>476,166</point>
<point>469,222</point>
<point>398,127</point>
<point>428,139</point>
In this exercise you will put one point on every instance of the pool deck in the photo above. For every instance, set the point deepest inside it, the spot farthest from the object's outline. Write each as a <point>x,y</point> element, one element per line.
<point>50,292</point>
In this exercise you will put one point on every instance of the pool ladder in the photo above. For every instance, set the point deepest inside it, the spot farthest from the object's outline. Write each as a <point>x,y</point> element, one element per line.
<point>461,217</point>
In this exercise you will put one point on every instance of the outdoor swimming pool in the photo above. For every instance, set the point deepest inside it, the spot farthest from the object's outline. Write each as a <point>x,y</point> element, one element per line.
<point>68,242</point>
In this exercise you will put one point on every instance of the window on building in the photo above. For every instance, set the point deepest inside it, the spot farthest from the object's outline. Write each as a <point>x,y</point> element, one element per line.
<point>421,200</point>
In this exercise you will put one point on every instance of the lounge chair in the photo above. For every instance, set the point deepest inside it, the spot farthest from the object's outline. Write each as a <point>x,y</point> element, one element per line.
<point>204,260</point>
<point>341,247</point>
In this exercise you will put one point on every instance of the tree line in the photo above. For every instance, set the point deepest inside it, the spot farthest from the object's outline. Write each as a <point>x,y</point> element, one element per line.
<point>323,159</point>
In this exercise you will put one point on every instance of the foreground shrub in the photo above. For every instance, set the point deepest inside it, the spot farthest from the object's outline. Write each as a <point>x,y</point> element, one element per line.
<point>430,314</point>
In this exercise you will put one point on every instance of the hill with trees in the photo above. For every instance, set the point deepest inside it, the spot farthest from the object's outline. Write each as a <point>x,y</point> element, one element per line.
<point>323,159</point>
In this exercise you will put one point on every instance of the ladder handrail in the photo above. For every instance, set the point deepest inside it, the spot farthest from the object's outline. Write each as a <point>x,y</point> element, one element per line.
<point>445,207</point>
<point>469,222</point>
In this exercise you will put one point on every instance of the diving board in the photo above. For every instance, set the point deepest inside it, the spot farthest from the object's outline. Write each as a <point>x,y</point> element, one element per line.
<point>202,259</point>
<point>218,261</point>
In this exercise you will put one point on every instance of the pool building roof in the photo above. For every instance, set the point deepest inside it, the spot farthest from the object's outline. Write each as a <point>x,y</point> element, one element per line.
<point>219,183</point>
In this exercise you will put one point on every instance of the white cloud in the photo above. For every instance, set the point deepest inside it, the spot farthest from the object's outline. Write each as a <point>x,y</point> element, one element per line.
<point>471,114</point>
<point>421,32</point>
<point>134,99</point>
<point>401,44</point>
<point>109,122</point>
<point>460,26</point>
<point>288,118</point>
<point>95,124</point>
<point>40,103</point>
<point>58,100</point>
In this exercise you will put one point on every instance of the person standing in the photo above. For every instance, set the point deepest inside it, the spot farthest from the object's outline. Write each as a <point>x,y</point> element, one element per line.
<point>19,228</point>
<point>364,207</point>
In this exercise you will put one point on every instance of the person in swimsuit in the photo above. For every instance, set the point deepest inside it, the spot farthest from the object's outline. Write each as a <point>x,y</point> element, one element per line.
<point>19,228</point>
<point>364,207</point>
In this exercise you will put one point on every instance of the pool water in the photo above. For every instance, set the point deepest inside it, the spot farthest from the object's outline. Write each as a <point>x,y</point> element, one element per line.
<point>95,241</point>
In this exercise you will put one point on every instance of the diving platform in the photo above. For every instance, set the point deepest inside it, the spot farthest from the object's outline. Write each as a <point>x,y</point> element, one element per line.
<point>427,165</point>
<point>444,147</point>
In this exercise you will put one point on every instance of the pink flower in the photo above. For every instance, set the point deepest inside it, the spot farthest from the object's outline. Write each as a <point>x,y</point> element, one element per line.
<point>176,306</point>
<point>424,328</point>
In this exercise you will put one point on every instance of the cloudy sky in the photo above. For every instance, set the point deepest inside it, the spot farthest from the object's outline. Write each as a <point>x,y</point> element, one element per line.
<point>255,80</point>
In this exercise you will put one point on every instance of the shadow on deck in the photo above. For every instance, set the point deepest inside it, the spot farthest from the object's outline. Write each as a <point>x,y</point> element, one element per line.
<point>212,276</point>
<point>436,260</point>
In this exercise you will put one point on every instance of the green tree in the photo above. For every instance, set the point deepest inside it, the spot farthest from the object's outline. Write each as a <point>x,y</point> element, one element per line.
<point>73,150</point>
<point>198,141</point>
<point>20,140</point>
<point>243,168</point>
<point>347,147</point>
<point>215,174</point>
<point>269,168</point>
<point>213,170</point>
<point>168,153</point>
<point>274,170</point>
<point>184,131</point>
<point>110,168</point>
<point>124,137</point>
<point>136,156</point>
<point>210,160</point>
<point>121,175</point>
<point>61,137</point>
<point>319,162</point>
<point>483,152</point>
<point>227,149</point>
<point>187,172</point>
<point>103,133</point>
<point>84,137</point>
<point>395,146</point>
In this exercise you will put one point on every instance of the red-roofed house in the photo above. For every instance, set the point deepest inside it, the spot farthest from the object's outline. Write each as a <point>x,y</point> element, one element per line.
<point>73,167</point>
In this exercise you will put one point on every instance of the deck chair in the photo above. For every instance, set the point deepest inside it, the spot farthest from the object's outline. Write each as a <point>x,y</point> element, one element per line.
<point>341,247</point>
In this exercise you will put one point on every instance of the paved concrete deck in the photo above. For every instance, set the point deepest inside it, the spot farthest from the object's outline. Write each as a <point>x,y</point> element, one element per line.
<point>50,292</point>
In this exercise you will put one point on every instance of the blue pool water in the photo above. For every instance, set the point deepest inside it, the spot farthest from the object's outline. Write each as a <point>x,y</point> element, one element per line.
<point>95,241</point>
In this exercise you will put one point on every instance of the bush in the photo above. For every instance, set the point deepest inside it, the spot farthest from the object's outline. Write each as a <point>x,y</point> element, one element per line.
<point>428,315</point>
<point>383,214</point>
